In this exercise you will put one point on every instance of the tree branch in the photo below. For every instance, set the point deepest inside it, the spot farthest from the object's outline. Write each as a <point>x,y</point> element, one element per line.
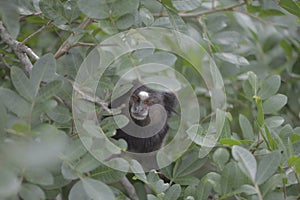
<point>35,33</point>
<point>21,50</point>
<point>66,46</point>
<point>96,99</point>
<point>204,12</point>
<point>129,188</point>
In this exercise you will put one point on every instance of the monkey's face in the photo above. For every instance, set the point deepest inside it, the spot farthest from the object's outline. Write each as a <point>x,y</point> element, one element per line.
<point>140,103</point>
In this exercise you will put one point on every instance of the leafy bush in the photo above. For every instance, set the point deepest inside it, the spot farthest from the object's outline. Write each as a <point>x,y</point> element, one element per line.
<point>255,46</point>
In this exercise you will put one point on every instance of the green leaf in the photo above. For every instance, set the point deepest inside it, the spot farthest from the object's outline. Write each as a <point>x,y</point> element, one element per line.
<point>3,119</point>
<point>232,58</point>
<point>43,70</point>
<point>31,192</point>
<point>138,170</point>
<point>252,78</point>
<point>215,180</point>
<point>94,8</point>
<point>272,145</point>
<point>232,142</point>
<point>203,189</point>
<point>68,171</point>
<point>221,157</point>
<point>14,103</point>
<point>186,5</point>
<point>274,121</point>
<point>125,22</point>
<point>187,180</point>
<point>49,90</point>
<point>21,128</point>
<point>9,183</point>
<point>60,114</point>
<point>177,23</point>
<point>39,176</point>
<point>270,184</point>
<point>267,166</point>
<point>87,163</point>
<point>53,10</point>
<point>74,150</point>
<point>173,192</point>
<point>119,7</point>
<point>77,192</point>
<point>97,190</point>
<point>246,161</point>
<point>107,174</point>
<point>260,111</point>
<point>188,164</point>
<point>290,6</point>
<point>274,103</point>
<point>9,13</point>
<point>168,4</point>
<point>246,127</point>
<point>146,16</point>
<point>294,161</point>
<point>269,87</point>
<point>71,10</point>
<point>164,58</point>
<point>270,13</point>
<point>22,83</point>
<point>43,107</point>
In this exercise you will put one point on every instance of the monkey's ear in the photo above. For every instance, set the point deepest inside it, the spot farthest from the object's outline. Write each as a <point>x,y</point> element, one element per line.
<point>170,101</point>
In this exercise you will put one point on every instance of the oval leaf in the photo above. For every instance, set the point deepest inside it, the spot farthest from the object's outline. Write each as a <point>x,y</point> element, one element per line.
<point>97,190</point>
<point>246,161</point>
<point>22,83</point>
<point>246,127</point>
<point>269,87</point>
<point>267,166</point>
<point>31,192</point>
<point>274,103</point>
<point>232,58</point>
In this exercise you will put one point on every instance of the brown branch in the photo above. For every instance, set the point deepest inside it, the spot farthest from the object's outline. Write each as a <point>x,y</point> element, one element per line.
<point>21,50</point>
<point>92,99</point>
<point>66,46</point>
<point>205,12</point>
<point>77,44</point>
<point>35,33</point>
<point>129,188</point>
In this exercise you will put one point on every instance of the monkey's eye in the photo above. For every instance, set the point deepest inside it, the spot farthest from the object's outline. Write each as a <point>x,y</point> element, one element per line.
<point>135,98</point>
<point>148,101</point>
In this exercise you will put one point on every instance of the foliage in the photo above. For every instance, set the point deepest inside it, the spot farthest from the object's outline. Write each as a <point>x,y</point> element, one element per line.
<point>256,47</point>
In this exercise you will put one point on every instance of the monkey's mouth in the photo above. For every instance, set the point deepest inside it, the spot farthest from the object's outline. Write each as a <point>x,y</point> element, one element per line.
<point>139,116</point>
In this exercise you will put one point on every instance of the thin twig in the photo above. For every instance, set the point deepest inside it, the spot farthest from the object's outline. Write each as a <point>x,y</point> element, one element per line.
<point>19,49</point>
<point>87,44</point>
<point>35,33</point>
<point>129,188</point>
<point>96,100</point>
<point>22,18</point>
<point>205,12</point>
<point>66,46</point>
<point>4,61</point>
<point>77,44</point>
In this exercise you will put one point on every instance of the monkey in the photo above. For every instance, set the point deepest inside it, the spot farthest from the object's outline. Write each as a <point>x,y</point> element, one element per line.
<point>148,111</point>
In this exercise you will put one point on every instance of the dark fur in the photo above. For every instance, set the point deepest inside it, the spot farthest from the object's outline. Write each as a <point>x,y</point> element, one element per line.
<point>153,143</point>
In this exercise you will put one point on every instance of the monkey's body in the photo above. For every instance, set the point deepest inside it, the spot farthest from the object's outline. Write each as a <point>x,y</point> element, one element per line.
<point>148,111</point>
<point>142,145</point>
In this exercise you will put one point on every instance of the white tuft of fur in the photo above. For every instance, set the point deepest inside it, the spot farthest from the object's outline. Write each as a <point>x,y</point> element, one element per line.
<point>143,95</point>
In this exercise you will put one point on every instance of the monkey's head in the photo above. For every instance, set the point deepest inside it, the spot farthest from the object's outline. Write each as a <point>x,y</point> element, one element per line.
<point>140,102</point>
<point>144,98</point>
